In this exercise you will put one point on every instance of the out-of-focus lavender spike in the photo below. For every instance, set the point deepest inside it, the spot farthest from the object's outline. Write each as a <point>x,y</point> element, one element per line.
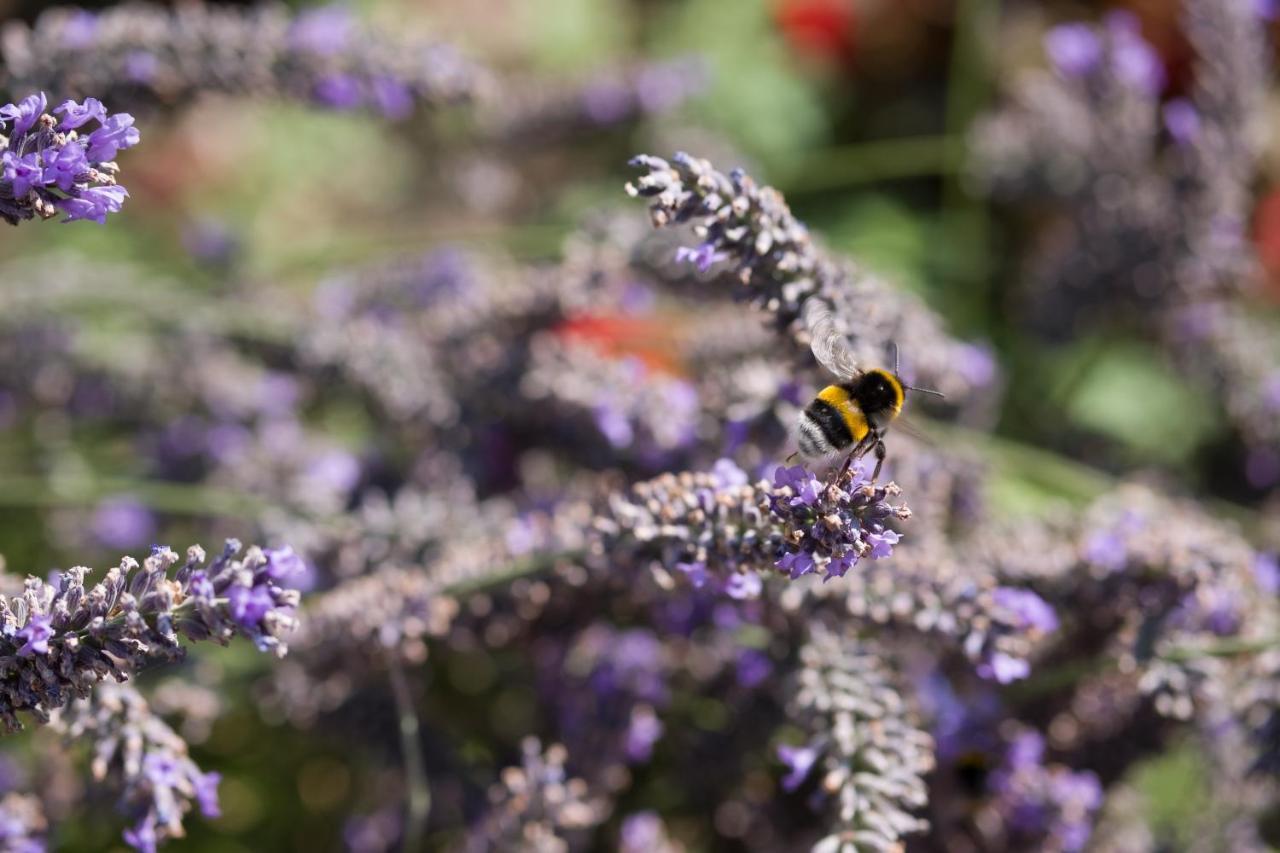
<point>718,528</point>
<point>537,806</point>
<point>628,405</point>
<point>1041,806</point>
<point>149,56</point>
<point>610,99</point>
<point>59,641</point>
<point>1233,348</point>
<point>873,756</point>
<point>149,761</point>
<point>750,230</point>
<point>61,161</point>
<point>22,824</point>
<point>1162,577</point>
<point>927,588</point>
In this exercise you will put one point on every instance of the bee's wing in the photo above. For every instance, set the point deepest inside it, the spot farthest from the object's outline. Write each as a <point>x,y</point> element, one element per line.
<point>829,346</point>
<point>904,423</point>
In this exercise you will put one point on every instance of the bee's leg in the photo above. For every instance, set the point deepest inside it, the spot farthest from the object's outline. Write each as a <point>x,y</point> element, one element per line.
<point>857,452</point>
<point>880,455</point>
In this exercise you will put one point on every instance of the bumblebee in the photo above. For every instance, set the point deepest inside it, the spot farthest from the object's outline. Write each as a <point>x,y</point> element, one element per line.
<point>854,414</point>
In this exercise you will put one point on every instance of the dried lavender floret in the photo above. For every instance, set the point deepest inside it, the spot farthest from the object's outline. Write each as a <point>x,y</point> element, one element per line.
<point>750,229</point>
<point>22,824</point>
<point>718,528</point>
<point>138,751</point>
<point>58,640</point>
<point>61,161</point>
<point>538,807</point>
<point>872,754</point>
<point>147,56</point>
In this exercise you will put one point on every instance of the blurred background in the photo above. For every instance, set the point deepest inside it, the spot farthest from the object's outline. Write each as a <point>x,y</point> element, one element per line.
<point>881,122</point>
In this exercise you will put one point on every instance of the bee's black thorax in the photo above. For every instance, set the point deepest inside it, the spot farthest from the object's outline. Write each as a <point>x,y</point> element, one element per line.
<point>878,394</point>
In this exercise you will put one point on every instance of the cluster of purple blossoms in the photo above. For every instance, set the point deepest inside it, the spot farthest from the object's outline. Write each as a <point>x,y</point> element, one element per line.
<point>61,163</point>
<point>148,56</point>
<point>22,824</point>
<point>61,638</point>
<point>1046,805</point>
<point>719,529</point>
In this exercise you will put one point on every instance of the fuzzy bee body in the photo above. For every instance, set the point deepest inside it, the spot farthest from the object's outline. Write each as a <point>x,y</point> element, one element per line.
<point>843,417</point>
<point>852,415</point>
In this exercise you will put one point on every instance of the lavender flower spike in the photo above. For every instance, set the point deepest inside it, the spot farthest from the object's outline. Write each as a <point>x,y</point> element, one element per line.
<point>160,783</point>
<point>717,527</point>
<point>749,229</point>
<point>50,166</point>
<point>873,756</point>
<point>56,643</point>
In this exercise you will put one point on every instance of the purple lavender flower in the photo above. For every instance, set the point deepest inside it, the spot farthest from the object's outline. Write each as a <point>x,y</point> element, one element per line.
<point>704,256</point>
<point>75,115</point>
<point>324,31</point>
<point>23,114</point>
<point>1181,120</point>
<point>35,635</point>
<point>44,165</point>
<point>1134,60</point>
<point>340,91</point>
<point>75,636</point>
<point>1074,49</point>
<point>115,134</point>
<point>1029,611</point>
<point>799,761</point>
<point>137,750</point>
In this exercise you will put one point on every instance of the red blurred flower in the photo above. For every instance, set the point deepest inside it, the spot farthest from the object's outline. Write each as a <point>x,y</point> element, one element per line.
<point>1266,235</point>
<point>821,29</point>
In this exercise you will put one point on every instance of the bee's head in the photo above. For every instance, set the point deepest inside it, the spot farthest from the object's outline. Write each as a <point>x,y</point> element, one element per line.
<point>882,391</point>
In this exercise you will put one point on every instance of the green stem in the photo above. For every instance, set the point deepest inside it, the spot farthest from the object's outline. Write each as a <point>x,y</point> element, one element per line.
<point>416,783</point>
<point>176,498</point>
<point>1225,648</point>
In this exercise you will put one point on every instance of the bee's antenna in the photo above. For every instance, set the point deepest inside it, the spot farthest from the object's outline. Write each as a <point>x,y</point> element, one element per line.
<point>893,345</point>
<point>925,391</point>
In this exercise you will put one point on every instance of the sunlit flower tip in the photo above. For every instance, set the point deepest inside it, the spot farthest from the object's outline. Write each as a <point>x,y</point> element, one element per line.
<point>1181,120</point>
<point>1004,668</point>
<point>703,256</point>
<point>283,563</point>
<point>882,544</point>
<point>1029,611</point>
<point>114,135</point>
<point>796,564</point>
<point>23,114</point>
<point>799,760</point>
<point>76,115</point>
<point>1073,49</point>
<point>142,836</point>
<point>206,791</point>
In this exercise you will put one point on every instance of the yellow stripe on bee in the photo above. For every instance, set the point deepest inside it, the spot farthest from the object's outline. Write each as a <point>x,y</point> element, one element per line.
<point>849,411</point>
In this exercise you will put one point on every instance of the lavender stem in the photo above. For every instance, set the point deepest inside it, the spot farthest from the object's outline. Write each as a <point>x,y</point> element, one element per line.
<point>416,783</point>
